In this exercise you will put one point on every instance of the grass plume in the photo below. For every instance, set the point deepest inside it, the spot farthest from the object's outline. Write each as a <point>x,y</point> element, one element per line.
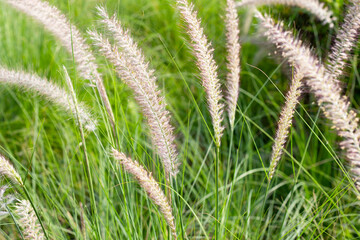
<point>28,221</point>
<point>5,199</point>
<point>150,185</point>
<point>134,71</point>
<point>48,90</point>
<point>346,40</point>
<point>8,170</point>
<point>285,121</point>
<point>203,53</point>
<point>233,58</point>
<point>312,6</point>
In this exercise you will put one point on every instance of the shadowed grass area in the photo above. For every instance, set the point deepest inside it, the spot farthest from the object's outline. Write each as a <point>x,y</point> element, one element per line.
<point>310,197</point>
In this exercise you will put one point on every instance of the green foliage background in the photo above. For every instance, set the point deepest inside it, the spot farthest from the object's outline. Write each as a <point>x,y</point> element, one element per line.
<point>311,196</point>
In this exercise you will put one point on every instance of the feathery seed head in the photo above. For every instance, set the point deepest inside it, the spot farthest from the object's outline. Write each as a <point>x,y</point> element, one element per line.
<point>57,23</point>
<point>285,121</point>
<point>50,91</point>
<point>233,65</point>
<point>150,185</point>
<point>7,170</point>
<point>134,71</point>
<point>346,40</point>
<point>28,221</point>
<point>203,53</point>
<point>325,88</point>
<point>313,6</point>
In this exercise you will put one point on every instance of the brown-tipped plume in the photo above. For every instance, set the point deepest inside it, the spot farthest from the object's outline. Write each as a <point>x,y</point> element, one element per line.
<point>312,6</point>
<point>134,71</point>
<point>70,37</point>
<point>203,53</point>
<point>285,121</point>
<point>324,86</point>
<point>233,58</point>
<point>345,41</point>
<point>28,221</point>
<point>149,184</point>
<point>50,91</point>
<point>7,170</point>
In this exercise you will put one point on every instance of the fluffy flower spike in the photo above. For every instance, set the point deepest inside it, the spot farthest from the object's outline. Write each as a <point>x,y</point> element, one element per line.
<point>5,199</point>
<point>7,170</point>
<point>346,40</point>
<point>233,58</point>
<point>150,185</point>
<point>312,6</point>
<point>203,53</point>
<point>50,91</point>
<point>28,221</point>
<point>285,121</point>
<point>134,71</point>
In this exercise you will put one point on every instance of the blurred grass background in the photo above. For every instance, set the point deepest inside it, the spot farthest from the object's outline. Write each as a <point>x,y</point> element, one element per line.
<point>310,197</point>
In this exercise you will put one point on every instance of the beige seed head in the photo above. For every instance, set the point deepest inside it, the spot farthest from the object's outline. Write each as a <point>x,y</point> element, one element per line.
<point>135,72</point>
<point>48,90</point>
<point>346,40</point>
<point>7,170</point>
<point>318,9</point>
<point>70,37</point>
<point>203,53</point>
<point>233,59</point>
<point>285,121</point>
<point>28,221</point>
<point>150,185</point>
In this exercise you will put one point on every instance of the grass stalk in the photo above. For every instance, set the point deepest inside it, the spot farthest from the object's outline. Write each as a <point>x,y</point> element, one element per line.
<point>217,159</point>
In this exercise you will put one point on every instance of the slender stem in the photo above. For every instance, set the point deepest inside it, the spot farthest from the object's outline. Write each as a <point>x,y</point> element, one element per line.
<point>217,192</point>
<point>178,206</point>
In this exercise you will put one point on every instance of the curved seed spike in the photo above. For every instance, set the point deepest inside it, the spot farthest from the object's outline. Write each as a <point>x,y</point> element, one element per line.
<point>8,170</point>
<point>134,71</point>
<point>203,53</point>
<point>346,40</point>
<point>233,58</point>
<point>285,121</point>
<point>50,91</point>
<point>312,6</point>
<point>150,185</point>
<point>28,221</point>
